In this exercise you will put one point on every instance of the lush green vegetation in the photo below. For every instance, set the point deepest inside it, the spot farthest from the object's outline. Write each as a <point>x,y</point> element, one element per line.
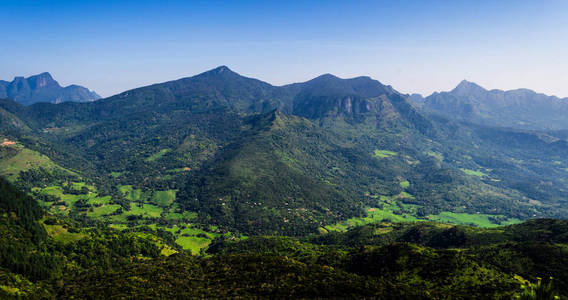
<point>53,257</point>
<point>133,183</point>
<point>238,164</point>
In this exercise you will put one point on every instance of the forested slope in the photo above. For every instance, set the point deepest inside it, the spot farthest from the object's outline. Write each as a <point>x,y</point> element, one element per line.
<point>44,257</point>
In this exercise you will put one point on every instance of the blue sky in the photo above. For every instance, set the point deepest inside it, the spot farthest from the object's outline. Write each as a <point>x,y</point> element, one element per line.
<point>415,46</point>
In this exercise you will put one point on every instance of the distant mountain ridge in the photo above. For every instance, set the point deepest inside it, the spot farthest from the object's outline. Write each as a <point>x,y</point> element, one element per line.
<point>43,88</point>
<point>520,108</point>
<point>221,87</point>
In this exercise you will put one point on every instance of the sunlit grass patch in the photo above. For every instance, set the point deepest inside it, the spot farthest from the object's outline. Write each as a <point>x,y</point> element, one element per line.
<point>60,233</point>
<point>103,210</point>
<point>131,193</point>
<point>144,210</point>
<point>473,172</point>
<point>193,243</point>
<point>164,198</point>
<point>384,153</point>
<point>481,220</point>
<point>158,155</point>
<point>94,200</point>
<point>25,160</point>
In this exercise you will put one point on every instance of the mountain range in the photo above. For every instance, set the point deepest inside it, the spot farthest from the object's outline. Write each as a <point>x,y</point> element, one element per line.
<point>330,187</point>
<point>520,108</point>
<point>43,88</point>
<point>246,156</point>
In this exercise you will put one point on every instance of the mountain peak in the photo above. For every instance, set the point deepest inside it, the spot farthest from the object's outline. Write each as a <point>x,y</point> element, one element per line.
<point>46,75</point>
<point>467,87</point>
<point>42,80</point>
<point>326,76</point>
<point>221,70</point>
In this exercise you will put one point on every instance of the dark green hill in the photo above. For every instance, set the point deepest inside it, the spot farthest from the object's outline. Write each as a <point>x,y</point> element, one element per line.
<point>284,175</point>
<point>208,91</point>
<point>354,99</point>
<point>443,236</point>
<point>10,123</point>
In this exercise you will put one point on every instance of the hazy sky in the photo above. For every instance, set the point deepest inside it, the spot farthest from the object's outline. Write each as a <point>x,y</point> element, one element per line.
<point>415,46</point>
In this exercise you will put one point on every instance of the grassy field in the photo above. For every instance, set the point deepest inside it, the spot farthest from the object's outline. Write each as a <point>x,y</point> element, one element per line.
<point>158,155</point>
<point>93,199</point>
<point>103,210</point>
<point>392,209</point>
<point>164,198</point>
<point>173,216</point>
<point>186,215</point>
<point>195,239</point>
<point>189,238</point>
<point>131,193</point>
<point>146,205</point>
<point>79,185</point>
<point>144,210</point>
<point>388,209</point>
<point>374,215</point>
<point>481,220</point>
<point>118,226</point>
<point>384,153</point>
<point>193,243</point>
<point>57,191</point>
<point>100,204</point>
<point>59,233</point>
<point>25,159</point>
<point>392,213</point>
<point>473,172</point>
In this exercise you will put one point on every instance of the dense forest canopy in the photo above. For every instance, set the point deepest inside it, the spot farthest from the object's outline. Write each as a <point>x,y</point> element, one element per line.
<point>43,256</point>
